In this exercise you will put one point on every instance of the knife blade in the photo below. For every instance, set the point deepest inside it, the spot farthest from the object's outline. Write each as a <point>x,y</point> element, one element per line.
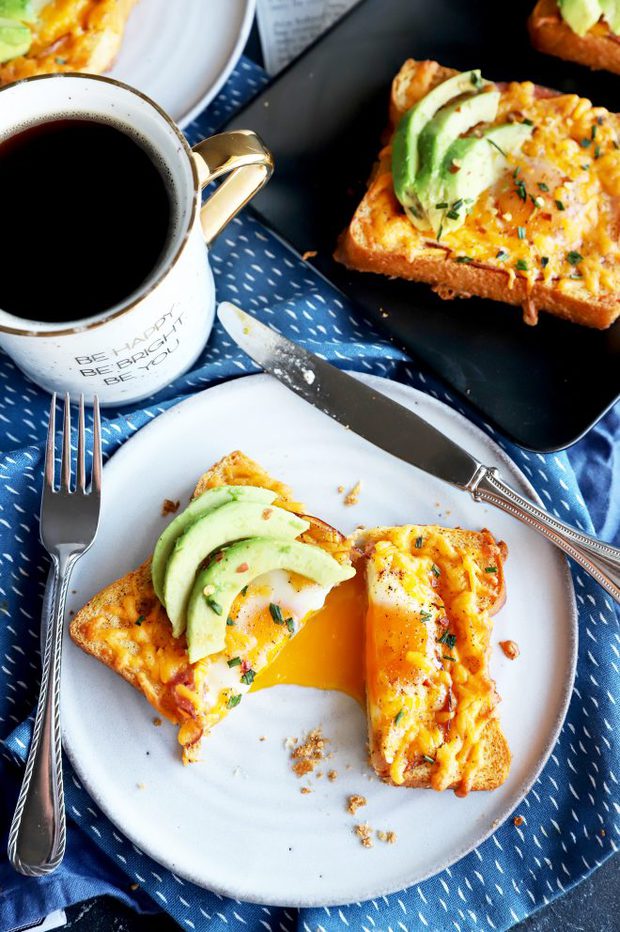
<point>352,403</point>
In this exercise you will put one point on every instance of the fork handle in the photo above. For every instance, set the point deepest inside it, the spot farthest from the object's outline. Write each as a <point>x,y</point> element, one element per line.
<point>38,831</point>
<point>600,560</point>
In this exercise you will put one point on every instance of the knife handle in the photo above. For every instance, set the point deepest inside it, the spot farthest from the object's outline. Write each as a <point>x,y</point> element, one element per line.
<point>600,560</point>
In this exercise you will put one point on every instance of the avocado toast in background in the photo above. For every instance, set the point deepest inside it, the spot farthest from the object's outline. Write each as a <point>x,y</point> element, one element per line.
<point>60,35</point>
<point>585,31</point>
<point>543,235</point>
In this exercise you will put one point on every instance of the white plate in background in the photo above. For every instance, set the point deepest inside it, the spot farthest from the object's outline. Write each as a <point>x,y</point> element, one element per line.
<point>181,53</point>
<point>236,822</point>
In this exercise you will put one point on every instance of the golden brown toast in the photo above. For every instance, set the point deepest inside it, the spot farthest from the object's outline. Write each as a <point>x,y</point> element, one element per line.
<point>431,703</point>
<point>72,35</point>
<point>549,33</point>
<point>560,254</point>
<point>126,627</point>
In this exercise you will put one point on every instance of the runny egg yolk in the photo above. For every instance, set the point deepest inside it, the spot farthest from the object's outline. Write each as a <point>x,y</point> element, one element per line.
<point>328,653</point>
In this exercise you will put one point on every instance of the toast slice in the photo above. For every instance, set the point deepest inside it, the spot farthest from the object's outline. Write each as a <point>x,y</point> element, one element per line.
<point>126,627</point>
<point>431,703</point>
<point>72,35</point>
<point>551,34</point>
<point>545,237</point>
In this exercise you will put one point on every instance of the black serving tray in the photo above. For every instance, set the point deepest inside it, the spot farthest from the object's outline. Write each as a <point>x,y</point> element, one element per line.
<point>543,386</point>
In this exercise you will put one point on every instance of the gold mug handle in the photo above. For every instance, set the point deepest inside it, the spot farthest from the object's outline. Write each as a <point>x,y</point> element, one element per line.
<point>241,154</point>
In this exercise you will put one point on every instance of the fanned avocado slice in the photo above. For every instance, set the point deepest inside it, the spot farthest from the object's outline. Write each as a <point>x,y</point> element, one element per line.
<point>20,10</point>
<point>405,160</point>
<point>580,15</point>
<point>205,503</point>
<point>482,160</point>
<point>224,525</point>
<point>218,585</point>
<point>435,140</point>
<point>611,12</point>
<point>15,39</point>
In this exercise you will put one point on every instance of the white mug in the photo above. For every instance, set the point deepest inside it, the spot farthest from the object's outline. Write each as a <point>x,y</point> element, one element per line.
<point>133,349</point>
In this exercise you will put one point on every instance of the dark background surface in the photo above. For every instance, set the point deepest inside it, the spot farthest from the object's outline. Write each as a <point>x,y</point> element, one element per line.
<point>593,906</point>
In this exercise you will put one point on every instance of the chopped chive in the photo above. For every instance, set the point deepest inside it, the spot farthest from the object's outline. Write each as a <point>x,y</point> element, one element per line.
<point>276,613</point>
<point>501,255</point>
<point>435,570</point>
<point>429,760</point>
<point>244,590</point>
<point>233,701</point>
<point>139,620</point>
<point>464,259</point>
<point>235,662</point>
<point>521,265</point>
<point>398,716</point>
<point>214,606</point>
<point>418,542</point>
<point>60,61</point>
<point>248,677</point>
<point>440,232</point>
<point>490,569</point>
<point>528,122</point>
<point>230,622</point>
<point>452,215</point>
<point>543,187</point>
<point>290,624</point>
<point>521,232</point>
<point>476,79</point>
<point>584,143</point>
<point>495,146</point>
<point>426,616</point>
<point>458,204</point>
<point>521,190</point>
<point>560,205</point>
<point>586,166</point>
<point>448,657</point>
<point>593,132</point>
<point>449,639</point>
<point>516,172</point>
<point>443,205</point>
<point>544,261</point>
<point>597,151</point>
<point>574,258</point>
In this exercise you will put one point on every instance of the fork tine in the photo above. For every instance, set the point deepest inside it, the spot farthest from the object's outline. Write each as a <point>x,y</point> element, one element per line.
<point>96,483</point>
<point>50,454</point>
<point>81,465</point>
<point>65,472</point>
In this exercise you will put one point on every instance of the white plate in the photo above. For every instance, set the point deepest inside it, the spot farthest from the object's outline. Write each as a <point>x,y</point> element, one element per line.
<point>236,822</point>
<point>181,53</point>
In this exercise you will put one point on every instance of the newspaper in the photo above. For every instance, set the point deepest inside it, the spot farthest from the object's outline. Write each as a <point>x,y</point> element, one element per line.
<point>286,27</point>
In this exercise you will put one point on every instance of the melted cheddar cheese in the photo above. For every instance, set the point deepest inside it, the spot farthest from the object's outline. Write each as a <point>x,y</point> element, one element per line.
<point>429,693</point>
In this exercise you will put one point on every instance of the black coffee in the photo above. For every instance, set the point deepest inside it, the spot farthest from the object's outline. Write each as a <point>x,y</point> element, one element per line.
<point>86,214</point>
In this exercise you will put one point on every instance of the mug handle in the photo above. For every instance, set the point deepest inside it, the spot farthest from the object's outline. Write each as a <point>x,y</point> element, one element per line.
<point>241,154</point>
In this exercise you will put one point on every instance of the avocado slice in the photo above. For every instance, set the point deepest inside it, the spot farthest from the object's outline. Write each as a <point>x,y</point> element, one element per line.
<point>224,580</point>
<point>580,15</point>
<point>482,159</point>
<point>15,39</point>
<point>213,531</point>
<point>21,10</point>
<point>208,501</point>
<point>611,12</point>
<point>435,141</point>
<point>405,160</point>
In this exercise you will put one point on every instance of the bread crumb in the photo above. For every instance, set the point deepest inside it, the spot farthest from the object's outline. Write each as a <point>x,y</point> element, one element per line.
<point>340,489</point>
<point>355,802</point>
<point>169,507</point>
<point>364,833</point>
<point>332,775</point>
<point>157,722</point>
<point>309,254</point>
<point>263,738</point>
<point>305,790</point>
<point>510,648</point>
<point>308,754</point>
<point>133,886</point>
<point>602,833</point>
<point>518,821</point>
<point>353,497</point>
<point>140,786</point>
<point>290,743</point>
<point>388,837</point>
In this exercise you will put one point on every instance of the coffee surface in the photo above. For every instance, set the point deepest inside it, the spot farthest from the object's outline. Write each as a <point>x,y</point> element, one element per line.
<point>86,214</point>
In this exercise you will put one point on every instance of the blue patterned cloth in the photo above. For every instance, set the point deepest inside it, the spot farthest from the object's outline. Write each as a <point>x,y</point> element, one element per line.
<point>571,814</point>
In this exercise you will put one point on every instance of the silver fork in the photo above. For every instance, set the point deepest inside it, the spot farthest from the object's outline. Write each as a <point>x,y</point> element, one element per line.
<point>69,520</point>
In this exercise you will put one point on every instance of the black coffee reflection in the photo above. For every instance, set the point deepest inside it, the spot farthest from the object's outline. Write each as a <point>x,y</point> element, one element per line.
<point>86,214</point>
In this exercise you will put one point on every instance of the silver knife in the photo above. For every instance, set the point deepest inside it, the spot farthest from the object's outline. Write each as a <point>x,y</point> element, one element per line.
<point>402,433</point>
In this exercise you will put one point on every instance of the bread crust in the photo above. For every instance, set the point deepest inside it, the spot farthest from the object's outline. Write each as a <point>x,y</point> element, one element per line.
<point>71,38</point>
<point>549,33</point>
<point>359,249</point>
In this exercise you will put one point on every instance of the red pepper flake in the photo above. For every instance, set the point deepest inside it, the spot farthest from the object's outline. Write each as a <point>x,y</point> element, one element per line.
<point>267,513</point>
<point>219,556</point>
<point>518,821</point>
<point>454,169</point>
<point>242,568</point>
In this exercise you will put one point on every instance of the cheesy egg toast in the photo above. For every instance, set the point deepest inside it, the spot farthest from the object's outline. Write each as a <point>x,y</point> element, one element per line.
<point>127,628</point>
<point>544,235</point>
<point>598,46</point>
<point>431,702</point>
<point>70,35</point>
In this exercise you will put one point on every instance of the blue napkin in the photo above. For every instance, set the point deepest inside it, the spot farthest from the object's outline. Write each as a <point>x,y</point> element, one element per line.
<point>569,825</point>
